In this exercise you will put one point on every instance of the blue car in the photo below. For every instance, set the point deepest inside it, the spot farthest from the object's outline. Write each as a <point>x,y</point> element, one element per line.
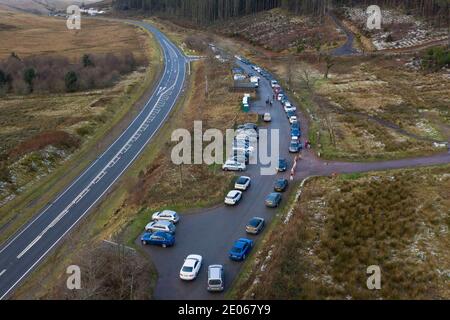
<point>295,125</point>
<point>295,132</point>
<point>282,165</point>
<point>158,238</point>
<point>241,249</point>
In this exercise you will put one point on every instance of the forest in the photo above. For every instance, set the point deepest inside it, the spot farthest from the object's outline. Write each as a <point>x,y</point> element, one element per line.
<point>207,11</point>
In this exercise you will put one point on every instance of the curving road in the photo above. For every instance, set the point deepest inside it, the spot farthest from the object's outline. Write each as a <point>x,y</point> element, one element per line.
<point>26,249</point>
<point>211,232</point>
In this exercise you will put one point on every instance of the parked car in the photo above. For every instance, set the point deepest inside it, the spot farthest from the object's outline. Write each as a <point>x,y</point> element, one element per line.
<point>165,226</point>
<point>295,125</point>
<point>290,109</point>
<point>243,183</point>
<point>255,225</point>
<point>191,267</point>
<point>273,200</point>
<point>158,238</point>
<point>233,197</point>
<point>295,133</point>
<point>241,249</point>
<point>290,114</point>
<point>293,119</point>
<point>267,117</point>
<point>295,146</point>
<point>216,280</point>
<point>247,134</point>
<point>273,83</point>
<point>281,185</point>
<point>232,165</point>
<point>168,215</point>
<point>282,165</point>
<point>242,158</point>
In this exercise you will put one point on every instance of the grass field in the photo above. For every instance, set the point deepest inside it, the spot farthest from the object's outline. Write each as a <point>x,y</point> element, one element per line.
<point>397,220</point>
<point>27,34</point>
<point>34,178</point>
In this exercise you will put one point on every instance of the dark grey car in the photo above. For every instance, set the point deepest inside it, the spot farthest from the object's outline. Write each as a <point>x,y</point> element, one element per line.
<point>255,225</point>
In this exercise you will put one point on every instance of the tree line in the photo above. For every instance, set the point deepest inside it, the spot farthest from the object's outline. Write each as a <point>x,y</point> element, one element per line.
<point>57,74</point>
<point>207,11</point>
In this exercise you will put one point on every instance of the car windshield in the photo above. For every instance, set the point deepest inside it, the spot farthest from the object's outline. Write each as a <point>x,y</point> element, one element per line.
<point>187,269</point>
<point>237,250</point>
<point>215,282</point>
<point>242,181</point>
<point>254,223</point>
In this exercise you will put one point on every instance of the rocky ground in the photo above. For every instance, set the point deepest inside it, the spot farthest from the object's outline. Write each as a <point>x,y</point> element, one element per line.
<point>398,30</point>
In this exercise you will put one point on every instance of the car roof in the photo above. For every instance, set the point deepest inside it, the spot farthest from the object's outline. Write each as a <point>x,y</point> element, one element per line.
<point>163,223</point>
<point>239,244</point>
<point>160,234</point>
<point>215,271</point>
<point>167,212</point>
<point>234,192</point>
<point>273,195</point>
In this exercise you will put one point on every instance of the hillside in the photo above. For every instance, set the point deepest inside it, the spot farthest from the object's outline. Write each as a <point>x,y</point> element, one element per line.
<point>42,6</point>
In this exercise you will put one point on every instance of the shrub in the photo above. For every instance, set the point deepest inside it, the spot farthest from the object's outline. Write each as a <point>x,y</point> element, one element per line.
<point>71,81</point>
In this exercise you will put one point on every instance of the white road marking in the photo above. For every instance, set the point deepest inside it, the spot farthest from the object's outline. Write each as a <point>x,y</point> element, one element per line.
<point>3,271</point>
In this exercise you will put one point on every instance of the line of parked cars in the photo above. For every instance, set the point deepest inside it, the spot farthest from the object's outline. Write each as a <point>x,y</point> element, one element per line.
<point>161,230</point>
<point>242,151</point>
<point>243,147</point>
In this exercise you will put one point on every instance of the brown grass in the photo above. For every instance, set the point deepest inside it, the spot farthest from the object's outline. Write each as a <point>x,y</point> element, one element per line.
<point>27,34</point>
<point>398,221</point>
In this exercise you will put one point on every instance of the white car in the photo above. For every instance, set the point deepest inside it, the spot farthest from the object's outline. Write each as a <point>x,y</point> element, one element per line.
<point>191,267</point>
<point>233,197</point>
<point>293,119</point>
<point>290,109</point>
<point>167,215</point>
<point>273,83</point>
<point>243,183</point>
<point>267,117</point>
<point>232,165</point>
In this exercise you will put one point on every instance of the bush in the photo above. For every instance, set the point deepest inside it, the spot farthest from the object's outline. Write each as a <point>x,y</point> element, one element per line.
<point>435,59</point>
<point>71,81</point>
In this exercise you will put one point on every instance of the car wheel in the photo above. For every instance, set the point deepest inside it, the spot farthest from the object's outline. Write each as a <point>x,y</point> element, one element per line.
<point>164,245</point>
<point>144,242</point>
<point>243,257</point>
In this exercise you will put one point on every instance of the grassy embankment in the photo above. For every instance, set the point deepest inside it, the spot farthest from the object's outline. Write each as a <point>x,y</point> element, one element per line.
<point>397,220</point>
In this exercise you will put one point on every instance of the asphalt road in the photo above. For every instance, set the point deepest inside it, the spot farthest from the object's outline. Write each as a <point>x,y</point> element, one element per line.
<point>26,249</point>
<point>211,233</point>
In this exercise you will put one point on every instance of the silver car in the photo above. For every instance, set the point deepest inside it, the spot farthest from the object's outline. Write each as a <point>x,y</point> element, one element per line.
<point>167,215</point>
<point>215,278</point>
<point>164,225</point>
